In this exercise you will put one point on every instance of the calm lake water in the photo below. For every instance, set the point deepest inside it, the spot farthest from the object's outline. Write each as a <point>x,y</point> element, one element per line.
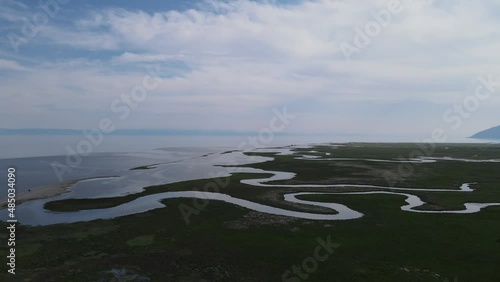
<point>34,156</point>
<point>36,146</point>
<point>108,169</point>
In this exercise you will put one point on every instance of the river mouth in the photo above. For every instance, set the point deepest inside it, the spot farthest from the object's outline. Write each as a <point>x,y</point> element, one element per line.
<point>216,164</point>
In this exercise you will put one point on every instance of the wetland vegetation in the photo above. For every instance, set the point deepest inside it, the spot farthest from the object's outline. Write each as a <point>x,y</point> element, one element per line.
<point>224,242</point>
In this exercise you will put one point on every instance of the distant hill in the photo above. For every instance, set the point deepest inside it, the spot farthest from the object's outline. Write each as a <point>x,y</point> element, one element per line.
<point>492,133</point>
<point>138,132</point>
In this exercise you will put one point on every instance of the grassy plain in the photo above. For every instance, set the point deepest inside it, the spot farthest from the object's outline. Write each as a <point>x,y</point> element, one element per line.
<point>229,243</point>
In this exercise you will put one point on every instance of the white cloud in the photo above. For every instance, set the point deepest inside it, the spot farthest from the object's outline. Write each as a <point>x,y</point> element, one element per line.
<point>12,65</point>
<point>245,57</point>
<point>129,57</point>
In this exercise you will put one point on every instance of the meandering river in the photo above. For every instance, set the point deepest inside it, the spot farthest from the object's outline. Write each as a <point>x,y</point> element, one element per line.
<point>167,166</point>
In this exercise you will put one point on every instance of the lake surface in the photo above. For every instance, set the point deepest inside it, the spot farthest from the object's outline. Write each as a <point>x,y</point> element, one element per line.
<point>20,146</point>
<point>109,170</point>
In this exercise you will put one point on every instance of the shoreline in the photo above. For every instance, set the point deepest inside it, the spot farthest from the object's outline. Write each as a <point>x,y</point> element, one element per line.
<point>42,192</point>
<point>48,191</point>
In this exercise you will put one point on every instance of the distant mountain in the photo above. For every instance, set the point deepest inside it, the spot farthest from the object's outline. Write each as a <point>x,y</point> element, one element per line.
<point>492,133</point>
<point>138,132</point>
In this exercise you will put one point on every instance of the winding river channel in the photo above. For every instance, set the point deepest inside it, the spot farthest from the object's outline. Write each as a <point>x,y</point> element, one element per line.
<point>33,213</point>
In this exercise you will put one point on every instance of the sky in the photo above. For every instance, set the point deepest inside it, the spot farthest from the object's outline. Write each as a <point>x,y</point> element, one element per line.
<point>338,66</point>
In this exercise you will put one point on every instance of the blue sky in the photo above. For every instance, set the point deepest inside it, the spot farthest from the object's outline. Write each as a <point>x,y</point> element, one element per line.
<point>225,65</point>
